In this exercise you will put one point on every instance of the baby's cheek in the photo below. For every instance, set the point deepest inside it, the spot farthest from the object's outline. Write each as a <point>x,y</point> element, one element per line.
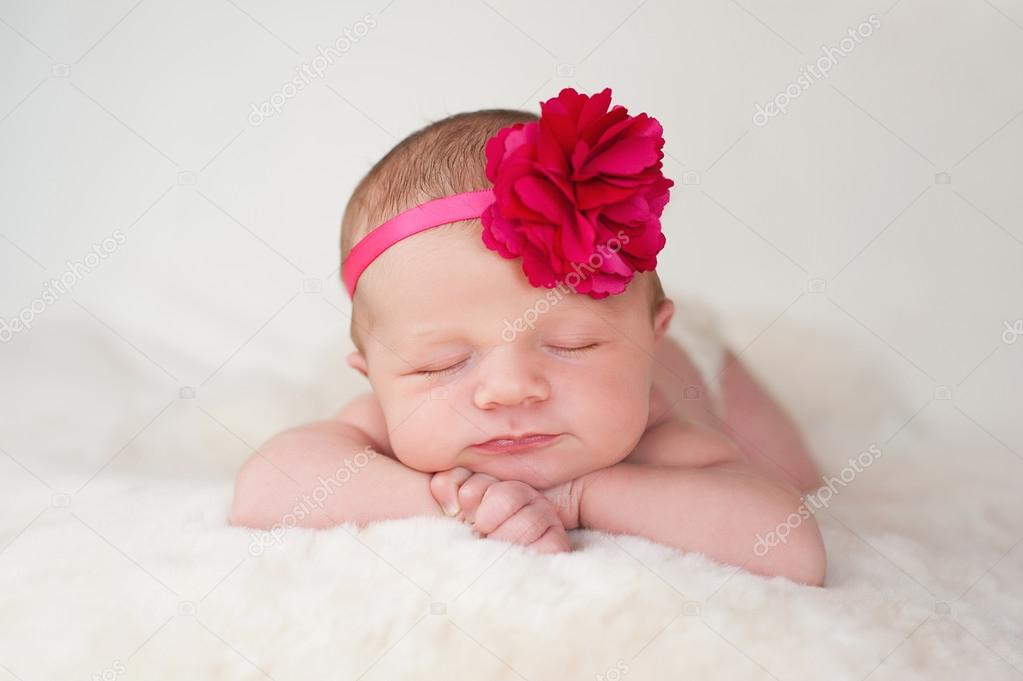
<point>623,409</point>
<point>421,441</point>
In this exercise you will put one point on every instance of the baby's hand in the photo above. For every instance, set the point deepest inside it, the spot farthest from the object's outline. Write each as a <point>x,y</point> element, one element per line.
<point>506,510</point>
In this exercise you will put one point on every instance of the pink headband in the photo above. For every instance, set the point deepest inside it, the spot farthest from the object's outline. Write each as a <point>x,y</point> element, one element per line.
<point>578,195</point>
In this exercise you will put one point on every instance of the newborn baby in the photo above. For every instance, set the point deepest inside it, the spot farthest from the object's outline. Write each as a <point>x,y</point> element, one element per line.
<point>517,399</point>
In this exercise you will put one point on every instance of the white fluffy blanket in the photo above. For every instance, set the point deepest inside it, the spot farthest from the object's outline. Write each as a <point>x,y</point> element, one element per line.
<point>134,573</point>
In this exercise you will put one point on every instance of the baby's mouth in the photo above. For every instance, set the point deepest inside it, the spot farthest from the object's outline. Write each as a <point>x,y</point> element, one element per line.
<point>509,444</point>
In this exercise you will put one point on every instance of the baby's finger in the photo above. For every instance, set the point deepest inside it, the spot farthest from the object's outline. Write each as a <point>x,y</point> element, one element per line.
<point>444,487</point>
<point>500,502</point>
<point>554,540</point>
<point>470,494</point>
<point>527,525</point>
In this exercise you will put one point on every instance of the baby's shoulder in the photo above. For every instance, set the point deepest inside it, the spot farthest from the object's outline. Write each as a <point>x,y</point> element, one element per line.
<point>365,414</point>
<point>674,440</point>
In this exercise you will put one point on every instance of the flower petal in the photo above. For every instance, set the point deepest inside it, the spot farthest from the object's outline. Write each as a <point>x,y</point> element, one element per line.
<point>539,195</point>
<point>628,156</point>
<point>577,238</point>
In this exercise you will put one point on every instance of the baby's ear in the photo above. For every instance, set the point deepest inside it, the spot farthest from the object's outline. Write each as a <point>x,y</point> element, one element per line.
<point>662,318</point>
<point>358,362</point>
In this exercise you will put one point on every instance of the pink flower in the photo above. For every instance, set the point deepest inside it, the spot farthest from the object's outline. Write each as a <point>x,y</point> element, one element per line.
<point>579,191</point>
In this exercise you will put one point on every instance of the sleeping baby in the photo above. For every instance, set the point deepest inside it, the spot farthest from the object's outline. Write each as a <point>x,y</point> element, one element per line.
<point>526,366</point>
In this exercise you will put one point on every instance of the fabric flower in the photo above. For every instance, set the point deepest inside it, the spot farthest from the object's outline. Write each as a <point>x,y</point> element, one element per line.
<point>578,194</point>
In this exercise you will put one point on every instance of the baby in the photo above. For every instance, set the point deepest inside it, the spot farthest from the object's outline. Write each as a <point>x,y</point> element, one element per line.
<point>507,313</point>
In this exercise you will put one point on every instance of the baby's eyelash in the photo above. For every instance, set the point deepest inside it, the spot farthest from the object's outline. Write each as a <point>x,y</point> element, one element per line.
<point>573,351</point>
<point>440,372</point>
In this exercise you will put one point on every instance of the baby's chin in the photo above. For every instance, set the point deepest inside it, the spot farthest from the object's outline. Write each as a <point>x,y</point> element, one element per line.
<point>539,469</point>
<point>511,468</point>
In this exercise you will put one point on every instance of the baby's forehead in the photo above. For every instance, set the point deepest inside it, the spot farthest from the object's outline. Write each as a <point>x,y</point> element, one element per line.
<point>408,324</point>
<point>447,278</point>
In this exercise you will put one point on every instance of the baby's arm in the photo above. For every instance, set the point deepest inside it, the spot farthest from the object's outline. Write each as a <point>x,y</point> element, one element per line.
<point>323,474</point>
<point>716,510</point>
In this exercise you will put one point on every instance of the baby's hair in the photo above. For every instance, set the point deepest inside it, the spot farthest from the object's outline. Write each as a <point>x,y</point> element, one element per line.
<point>443,158</point>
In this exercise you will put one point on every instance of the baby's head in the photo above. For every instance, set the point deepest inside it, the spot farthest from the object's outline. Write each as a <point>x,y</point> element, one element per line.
<point>461,349</point>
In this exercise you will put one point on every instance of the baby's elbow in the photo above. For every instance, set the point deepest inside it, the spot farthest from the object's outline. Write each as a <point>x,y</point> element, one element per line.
<point>241,516</point>
<point>291,480</point>
<point>806,560</point>
<point>793,548</point>
<point>247,509</point>
<point>264,487</point>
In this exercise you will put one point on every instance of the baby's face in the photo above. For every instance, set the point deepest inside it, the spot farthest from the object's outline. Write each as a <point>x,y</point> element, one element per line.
<point>461,350</point>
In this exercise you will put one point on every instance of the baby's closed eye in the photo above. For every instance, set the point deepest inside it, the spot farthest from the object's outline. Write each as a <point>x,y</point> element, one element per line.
<point>449,367</point>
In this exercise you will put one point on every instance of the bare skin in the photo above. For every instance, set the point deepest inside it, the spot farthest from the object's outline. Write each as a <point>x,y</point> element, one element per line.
<point>685,446</point>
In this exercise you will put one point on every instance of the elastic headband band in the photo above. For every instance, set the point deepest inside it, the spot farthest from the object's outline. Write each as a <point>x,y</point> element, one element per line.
<point>412,221</point>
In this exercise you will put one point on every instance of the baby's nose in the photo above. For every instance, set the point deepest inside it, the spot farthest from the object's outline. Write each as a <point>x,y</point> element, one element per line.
<point>509,378</point>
